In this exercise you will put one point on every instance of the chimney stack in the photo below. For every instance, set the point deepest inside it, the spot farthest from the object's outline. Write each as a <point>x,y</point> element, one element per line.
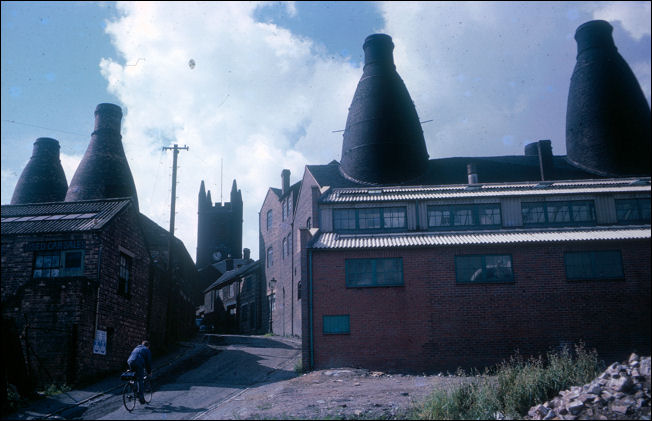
<point>104,172</point>
<point>383,140</point>
<point>472,173</point>
<point>285,181</point>
<point>42,179</point>
<point>608,117</point>
<point>246,253</point>
<point>542,149</point>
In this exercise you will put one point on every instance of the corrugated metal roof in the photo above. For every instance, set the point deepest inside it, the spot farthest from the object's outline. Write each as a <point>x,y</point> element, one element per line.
<point>59,216</point>
<point>385,194</point>
<point>330,240</point>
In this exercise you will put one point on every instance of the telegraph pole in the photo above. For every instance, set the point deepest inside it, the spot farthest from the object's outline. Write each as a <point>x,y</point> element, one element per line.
<point>169,323</point>
<point>176,148</point>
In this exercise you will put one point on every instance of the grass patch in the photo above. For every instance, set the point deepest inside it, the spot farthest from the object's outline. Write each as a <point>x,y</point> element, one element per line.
<point>514,386</point>
<point>56,389</point>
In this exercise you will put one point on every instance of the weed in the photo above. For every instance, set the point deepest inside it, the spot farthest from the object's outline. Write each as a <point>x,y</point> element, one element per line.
<point>518,384</point>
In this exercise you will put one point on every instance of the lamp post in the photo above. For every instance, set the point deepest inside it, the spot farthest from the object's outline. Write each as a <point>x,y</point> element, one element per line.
<point>272,284</point>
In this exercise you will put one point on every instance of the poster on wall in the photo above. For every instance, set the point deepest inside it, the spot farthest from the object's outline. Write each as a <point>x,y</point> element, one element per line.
<point>99,346</point>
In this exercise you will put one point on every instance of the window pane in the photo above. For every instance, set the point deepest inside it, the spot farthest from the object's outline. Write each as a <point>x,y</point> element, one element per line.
<point>626,210</point>
<point>578,265</point>
<point>489,215</point>
<point>463,217</point>
<point>73,260</point>
<point>583,212</point>
<point>343,219</point>
<point>644,209</point>
<point>389,271</point>
<point>558,213</point>
<point>498,268</point>
<point>608,265</point>
<point>439,217</point>
<point>359,272</point>
<point>334,325</point>
<point>533,213</point>
<point>369,218</point>
<point>269,219</point>
<point>469,268</point>
<point>394,218</point>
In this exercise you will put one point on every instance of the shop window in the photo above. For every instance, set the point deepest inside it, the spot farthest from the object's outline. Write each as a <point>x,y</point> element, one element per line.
<point>374,272</point>
<point>484,268</point>
<point>336,325</point>
<point>591,265</point>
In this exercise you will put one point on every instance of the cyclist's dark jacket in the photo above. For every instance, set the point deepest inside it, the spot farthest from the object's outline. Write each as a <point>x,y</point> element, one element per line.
<point>142,357</point>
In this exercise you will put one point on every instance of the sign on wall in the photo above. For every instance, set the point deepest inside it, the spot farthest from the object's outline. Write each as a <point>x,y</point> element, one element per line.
<point>99,345</point>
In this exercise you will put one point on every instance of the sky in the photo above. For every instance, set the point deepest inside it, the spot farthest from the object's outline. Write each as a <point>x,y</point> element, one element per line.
<point>255,87</point>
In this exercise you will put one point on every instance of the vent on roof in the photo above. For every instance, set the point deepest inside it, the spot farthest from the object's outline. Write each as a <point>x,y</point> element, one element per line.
<point>544,185</point>
<point>473,187</point>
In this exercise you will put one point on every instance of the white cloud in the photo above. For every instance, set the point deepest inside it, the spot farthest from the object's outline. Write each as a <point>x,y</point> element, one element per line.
<point>258,98</point>
<point>634,16</point>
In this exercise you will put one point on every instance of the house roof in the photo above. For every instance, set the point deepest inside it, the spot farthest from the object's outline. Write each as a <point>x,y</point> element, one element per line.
<point>78,216</point>
<point>334,241</point>
<point>232,274</point>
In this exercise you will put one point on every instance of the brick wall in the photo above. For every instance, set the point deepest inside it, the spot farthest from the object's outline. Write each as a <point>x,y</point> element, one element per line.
<point>435,323</point>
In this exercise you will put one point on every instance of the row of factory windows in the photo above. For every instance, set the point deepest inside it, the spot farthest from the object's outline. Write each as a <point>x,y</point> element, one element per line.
<point>388,272</point>
<point>580,265</point>
<point>487,216</point>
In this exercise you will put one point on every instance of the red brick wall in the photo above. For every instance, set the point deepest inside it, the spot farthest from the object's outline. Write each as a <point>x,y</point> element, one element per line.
<point>434,323</point>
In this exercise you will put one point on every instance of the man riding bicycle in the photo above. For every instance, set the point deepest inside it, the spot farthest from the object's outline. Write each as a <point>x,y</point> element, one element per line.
<point>140,361</point>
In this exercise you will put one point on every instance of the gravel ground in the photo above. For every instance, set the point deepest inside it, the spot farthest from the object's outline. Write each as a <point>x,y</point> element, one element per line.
<point>344,393</point>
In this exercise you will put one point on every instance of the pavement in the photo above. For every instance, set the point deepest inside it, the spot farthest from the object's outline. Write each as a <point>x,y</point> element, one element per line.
<point>52,407</point>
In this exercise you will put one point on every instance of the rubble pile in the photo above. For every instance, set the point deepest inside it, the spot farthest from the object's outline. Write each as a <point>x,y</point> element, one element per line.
<point>621,392</point>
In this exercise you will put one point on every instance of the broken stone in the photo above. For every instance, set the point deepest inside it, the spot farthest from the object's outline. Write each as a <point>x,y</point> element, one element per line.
<point>575,407</point>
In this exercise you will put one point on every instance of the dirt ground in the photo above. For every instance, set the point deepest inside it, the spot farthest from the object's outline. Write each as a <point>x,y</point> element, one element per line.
<point>345,393</point>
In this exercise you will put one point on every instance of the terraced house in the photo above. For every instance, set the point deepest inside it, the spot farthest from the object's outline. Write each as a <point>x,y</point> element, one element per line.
<point>412,262</point>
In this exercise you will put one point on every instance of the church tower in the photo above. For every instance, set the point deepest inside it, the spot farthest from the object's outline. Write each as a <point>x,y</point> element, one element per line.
<point>219,227</point>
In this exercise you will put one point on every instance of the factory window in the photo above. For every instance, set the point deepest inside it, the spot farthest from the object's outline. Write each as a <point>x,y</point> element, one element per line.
<point>464,216</point>
<point>484,268</point>
<point>269,219</point>
<point>390,219</point>
<point>125,275</point>
<point>374,272</point>
<point>336,325</point>
<point>290,243</point>
<point>299,287</point>
<point>630,211</point>
<point>577,212</point>
<point>588,265</point>
<point>52,264</point>
<point>270,257</point>
<point>343,219</point>
<point>284,252</point>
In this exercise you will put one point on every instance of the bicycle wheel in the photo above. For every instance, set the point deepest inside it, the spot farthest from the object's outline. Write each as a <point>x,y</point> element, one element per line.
<point>129,396</point>
<point>147,391</point>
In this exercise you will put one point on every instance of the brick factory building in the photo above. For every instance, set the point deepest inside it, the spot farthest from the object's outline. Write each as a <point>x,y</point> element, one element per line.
<point>400,261</point>
<point>84,273</point>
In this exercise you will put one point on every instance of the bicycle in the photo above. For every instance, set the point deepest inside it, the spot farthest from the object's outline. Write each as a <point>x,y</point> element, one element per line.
<point>130,390</point>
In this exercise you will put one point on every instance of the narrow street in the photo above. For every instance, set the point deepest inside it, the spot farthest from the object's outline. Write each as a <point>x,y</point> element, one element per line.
<point>239,363</point>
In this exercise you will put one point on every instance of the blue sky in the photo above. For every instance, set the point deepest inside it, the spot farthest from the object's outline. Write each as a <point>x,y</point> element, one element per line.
<point>272,81</point>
